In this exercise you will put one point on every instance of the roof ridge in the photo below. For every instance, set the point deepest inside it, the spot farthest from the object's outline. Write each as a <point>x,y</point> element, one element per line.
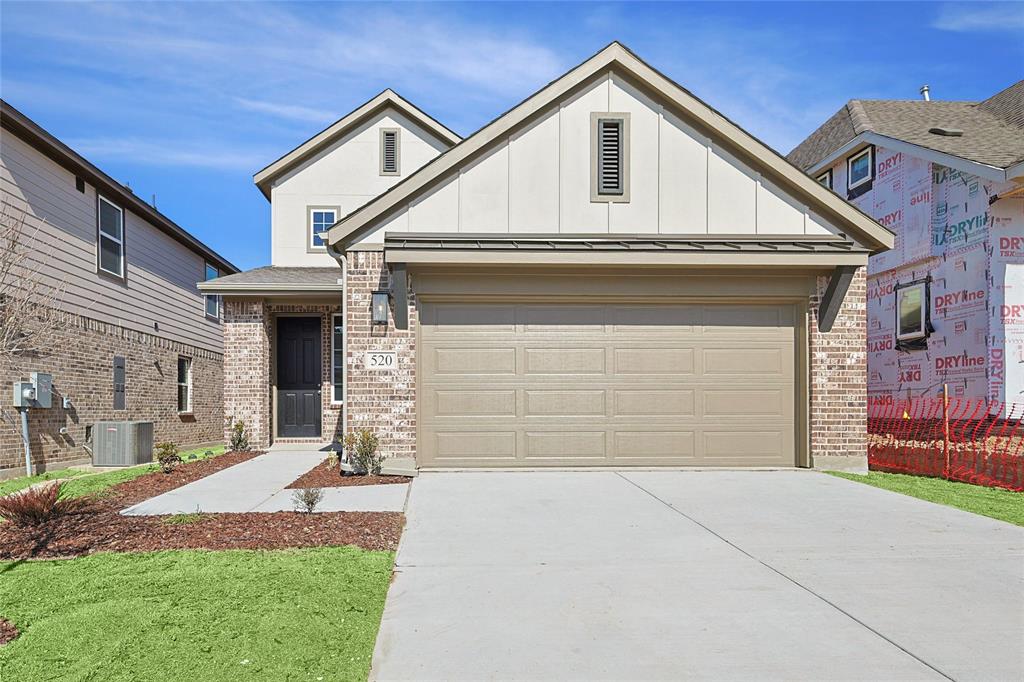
<point>858,116</point>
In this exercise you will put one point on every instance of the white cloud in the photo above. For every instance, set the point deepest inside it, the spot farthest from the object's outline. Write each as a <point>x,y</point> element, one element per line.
<point>293,112</point>
<point>168,153</point>
<point>968,17</point>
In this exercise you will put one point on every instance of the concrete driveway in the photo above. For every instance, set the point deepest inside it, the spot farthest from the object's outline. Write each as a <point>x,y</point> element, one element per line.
<point>697,575</point>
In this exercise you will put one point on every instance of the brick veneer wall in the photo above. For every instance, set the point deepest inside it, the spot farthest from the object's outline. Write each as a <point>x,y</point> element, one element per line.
<point>247,368</point>
<point>83,371</point>
<point>838,384</point>
<point>384,401</point>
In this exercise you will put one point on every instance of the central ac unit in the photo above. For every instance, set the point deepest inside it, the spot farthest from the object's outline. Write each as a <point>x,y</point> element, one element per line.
<point>122,444</point>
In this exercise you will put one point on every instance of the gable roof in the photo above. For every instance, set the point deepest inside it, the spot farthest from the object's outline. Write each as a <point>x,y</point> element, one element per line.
<point>993,130</point>
<point>31,132</point>
<point>620,59</point>
<point>386,99</point>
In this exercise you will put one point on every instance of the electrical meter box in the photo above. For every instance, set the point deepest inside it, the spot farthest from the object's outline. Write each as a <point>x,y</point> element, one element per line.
<point>43,384</point>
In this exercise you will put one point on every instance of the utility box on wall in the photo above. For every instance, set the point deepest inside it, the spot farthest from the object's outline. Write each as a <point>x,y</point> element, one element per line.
<point>121,444</point>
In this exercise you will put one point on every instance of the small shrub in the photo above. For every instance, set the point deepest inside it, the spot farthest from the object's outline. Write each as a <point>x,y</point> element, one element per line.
<point>182,519</point>
<point>239,436</point>
<point>332,461</point>
<point>39,504</point>
<point>167,457</point>
<point>361,447</point>
<point>306,499</point>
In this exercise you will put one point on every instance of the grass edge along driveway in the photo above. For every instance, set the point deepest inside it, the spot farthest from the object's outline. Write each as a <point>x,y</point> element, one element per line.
<point>996,503</point>
<point>304,614</point>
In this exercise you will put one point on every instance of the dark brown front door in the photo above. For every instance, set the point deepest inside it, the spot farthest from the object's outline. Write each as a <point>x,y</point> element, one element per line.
<point>298,377</point>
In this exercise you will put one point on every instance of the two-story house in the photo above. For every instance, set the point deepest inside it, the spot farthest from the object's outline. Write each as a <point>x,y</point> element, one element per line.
<point>136,340</point>
<point>610,273</point>
<point>946,304</point>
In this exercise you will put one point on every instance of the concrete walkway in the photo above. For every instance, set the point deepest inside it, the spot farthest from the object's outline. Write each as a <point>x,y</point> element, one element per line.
<point>258,485</point>
<point>789,575</point>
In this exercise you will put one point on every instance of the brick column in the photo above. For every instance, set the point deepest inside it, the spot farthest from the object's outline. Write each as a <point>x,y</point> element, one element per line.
<point>838,381</point>
<point>247,368</point>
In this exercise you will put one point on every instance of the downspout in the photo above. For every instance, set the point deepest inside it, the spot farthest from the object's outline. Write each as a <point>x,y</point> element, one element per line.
<point>342,261</point>
<point>25,440</point>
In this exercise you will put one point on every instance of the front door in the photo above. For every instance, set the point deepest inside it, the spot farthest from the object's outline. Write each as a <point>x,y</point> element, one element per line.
<point>298,377</point>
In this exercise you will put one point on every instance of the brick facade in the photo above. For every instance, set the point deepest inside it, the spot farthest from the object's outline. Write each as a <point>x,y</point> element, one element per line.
<point>83,371</point>
<point>838,383</point>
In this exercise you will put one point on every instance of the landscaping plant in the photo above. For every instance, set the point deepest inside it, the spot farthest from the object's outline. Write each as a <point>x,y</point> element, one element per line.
<point>239,436</point>
<point>306,499</point>
<point>167,456</point>
<point>38,504</point>
<point>361,447</point>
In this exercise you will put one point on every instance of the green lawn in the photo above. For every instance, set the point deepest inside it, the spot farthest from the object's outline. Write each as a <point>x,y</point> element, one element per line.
<point>309,614</point>
<point>998,503</point>
<point>88,482</point>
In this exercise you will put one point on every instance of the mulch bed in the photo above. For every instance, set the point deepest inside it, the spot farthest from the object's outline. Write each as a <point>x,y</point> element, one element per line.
<point>7,631</point>
<point>325,476</point>
<point>98,527</point>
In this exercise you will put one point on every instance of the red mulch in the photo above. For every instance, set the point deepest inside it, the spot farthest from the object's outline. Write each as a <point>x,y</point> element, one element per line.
<point>326,476</point>
<point>7,631</point>
<point>100,528</point>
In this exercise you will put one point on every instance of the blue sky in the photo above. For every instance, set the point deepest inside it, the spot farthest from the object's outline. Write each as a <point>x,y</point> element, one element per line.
<point>188,100</point>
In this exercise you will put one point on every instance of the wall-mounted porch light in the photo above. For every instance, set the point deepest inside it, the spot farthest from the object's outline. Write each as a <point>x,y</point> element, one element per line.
<point>379,308</point>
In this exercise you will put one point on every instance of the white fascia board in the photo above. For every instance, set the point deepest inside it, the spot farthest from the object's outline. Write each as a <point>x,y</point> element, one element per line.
<point>973,167</point>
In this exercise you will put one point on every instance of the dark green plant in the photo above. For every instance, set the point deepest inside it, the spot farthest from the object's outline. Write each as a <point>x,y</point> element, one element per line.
<point>361,447</point>
<point>167,456</point>
<point>239,436</point>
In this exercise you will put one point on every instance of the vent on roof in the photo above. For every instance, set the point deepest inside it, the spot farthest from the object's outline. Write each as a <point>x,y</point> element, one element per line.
<point>609,156</point>
<point>389,151</point>
<point>946,132</point>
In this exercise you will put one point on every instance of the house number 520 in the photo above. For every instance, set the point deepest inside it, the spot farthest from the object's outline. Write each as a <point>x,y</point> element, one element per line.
<point>380,360</point>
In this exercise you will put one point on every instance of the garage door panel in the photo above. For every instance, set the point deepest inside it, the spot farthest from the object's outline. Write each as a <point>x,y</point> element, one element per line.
<point>654,403</point>
<point>561,403</point>
<point>607,384</point>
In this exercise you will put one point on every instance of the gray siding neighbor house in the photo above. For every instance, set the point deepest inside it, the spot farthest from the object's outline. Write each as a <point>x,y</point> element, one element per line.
<point>137,341</point>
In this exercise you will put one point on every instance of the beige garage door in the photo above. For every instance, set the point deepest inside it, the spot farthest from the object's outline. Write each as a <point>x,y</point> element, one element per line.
<point>531,385</point>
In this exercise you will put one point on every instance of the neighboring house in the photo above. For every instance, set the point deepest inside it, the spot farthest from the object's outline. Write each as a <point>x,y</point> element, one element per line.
<point>137,339</point>
<point>946,304</point>
<point>610,273</point>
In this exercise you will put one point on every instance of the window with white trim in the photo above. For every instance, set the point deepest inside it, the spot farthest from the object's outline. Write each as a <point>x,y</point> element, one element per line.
<point>110,238</point>
<point>320,221</point>
<point>825,179</point>
<point>337,359</point>
<point>212,300</point>
<point>184,384</point>
<point>911,311</point>
<point>389,151</point>
<point>860,168</point>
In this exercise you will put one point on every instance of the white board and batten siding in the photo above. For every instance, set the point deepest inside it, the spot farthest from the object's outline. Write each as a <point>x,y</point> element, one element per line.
<point>345,175</point>
<point>161,272</point>
<point>538,181</point>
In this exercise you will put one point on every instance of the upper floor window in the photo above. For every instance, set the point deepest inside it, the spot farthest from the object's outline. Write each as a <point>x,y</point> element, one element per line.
<point>389,154</point>
<point>320,220</point>
<point>609,141</point>
<point>825,179</point>
<point>110,238</point>
<point>212,300</point>
<point>860,168</point>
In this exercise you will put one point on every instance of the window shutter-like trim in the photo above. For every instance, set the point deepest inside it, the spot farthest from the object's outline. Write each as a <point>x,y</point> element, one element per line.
<point>389,151</point>
<point>609,135</point>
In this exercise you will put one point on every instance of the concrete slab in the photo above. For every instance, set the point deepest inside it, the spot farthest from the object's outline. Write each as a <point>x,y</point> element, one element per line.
<point>695,575</point>
<point>258,485</point>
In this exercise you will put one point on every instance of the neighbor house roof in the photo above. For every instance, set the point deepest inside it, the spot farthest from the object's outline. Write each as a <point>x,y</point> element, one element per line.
<point>388,99</point>
<point>25,128</point>
<point>618,58</point>
<point>989,133</point>
<point>276,279</point>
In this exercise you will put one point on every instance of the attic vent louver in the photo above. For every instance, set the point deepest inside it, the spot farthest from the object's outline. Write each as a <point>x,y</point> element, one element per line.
<point>609,156</point>
<point>946,132</point>
<point>389,151</point>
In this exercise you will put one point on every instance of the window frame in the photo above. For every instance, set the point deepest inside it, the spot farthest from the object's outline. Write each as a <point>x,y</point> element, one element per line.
<point>101,235</point>
<point>922,286</point>
<point>827,177</point>
<point>207,265</point>
<point>310,248</point>
<point>187,385</point>
<point>868,151</point>
<point>334,366</point>
<point>398,151</point>
<point>595,185</point>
